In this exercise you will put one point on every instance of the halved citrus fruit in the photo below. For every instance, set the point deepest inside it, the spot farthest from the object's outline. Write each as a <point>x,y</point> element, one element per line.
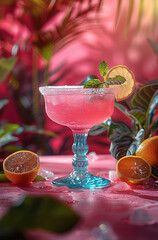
<point>133,169</point>
<point>148,150</point>
<point>127,88</point>
<point>21,167</point>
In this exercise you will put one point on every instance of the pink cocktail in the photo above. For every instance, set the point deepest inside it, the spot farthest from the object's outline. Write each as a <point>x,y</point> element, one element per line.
<point>79,109</point>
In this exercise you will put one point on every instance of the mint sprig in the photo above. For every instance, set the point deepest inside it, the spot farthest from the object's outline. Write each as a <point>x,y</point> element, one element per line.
<point>97,83</point>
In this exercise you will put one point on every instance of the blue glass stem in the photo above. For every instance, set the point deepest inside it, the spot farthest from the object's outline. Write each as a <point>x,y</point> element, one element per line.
<point>80,149</point>
<point>80,177</point>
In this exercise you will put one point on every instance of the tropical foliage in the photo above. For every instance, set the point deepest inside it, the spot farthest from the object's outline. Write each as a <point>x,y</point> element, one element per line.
<point>39,41</point>
<point>141,109</point>
<point>33,33</point>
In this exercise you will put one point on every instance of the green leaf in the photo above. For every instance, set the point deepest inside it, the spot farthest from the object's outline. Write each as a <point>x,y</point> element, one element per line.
<point>155,126</point>
<point>7,2</point>
<point>154,171</point>
<point>6,66</point>
<point>98,129</point>
<point>136,142</point>
<point>139,115</point>
<point>154,46</point>
<point>35,129</point>
<point>68,15</point>
<point>46,51</point>
<point>118,129</point>
<point>8,128</point>
<point>90,77</point>
<point>118,11</point>
<point>152,108</point>
<point>130,12</point>
<point>11,148</point>
<point>45,45</point>
<point>132,114</point>
<point>39,178</point>
<point>143,97</point>
<point>3,103</point>
<point>35,8</point>
<point>3,178</point>
<point>140,14</point>
<point>103,68</point>
<point>117,80</point>
<point>43,213</point>
<point>120,145</point>
<point>125,145</point>
<point>7,138</point>
<point>154,16</point>
<point>94,83</point>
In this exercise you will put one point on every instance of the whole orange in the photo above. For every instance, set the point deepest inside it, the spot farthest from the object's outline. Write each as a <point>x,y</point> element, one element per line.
<point>148,150</point>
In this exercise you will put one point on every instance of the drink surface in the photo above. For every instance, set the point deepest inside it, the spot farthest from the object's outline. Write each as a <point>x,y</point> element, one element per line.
<point>77,111</point>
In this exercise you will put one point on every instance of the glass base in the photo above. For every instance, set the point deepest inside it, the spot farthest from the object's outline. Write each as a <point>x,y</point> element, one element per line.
<point>79,179</point>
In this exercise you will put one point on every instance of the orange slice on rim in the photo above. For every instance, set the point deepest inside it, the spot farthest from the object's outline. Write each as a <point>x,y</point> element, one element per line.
<point>21,167</point>
<point>133,169</point>
<point>127,88</point>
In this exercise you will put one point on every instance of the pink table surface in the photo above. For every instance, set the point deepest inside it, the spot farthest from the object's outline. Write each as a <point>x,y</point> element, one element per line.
<point>113,207</point>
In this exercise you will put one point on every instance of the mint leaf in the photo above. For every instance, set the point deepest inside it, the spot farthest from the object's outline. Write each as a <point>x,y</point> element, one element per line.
<point>94,83</point>
<point>103,68</point>
<point>117,80</point>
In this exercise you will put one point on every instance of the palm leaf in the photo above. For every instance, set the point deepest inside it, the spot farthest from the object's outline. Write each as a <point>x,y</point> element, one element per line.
<point>99,5</point>
<point>130,12</point>
<point>68,15</point>
<point>154,46</point>
<point>118,11</point>
<point>154,16</point>
<point>140,14</point>
<point>70,27</point>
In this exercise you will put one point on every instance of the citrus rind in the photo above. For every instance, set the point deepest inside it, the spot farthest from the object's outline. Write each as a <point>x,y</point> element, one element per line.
<point>128,87</point>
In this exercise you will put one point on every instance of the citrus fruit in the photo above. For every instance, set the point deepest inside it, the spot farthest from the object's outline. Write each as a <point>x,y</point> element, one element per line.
<point>127,88</point>
<point>148,150</point>
<point>133,169</point>
<point>21,167</point>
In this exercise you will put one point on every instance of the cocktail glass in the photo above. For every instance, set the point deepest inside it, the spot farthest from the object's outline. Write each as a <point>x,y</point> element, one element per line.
<point>79,109</point>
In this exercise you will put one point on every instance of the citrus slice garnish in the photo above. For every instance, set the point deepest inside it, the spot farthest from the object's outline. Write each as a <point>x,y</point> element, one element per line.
<point>127,88</point>
<point>148,150</point>
<point>133,169</point>
<point>21,167</point>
